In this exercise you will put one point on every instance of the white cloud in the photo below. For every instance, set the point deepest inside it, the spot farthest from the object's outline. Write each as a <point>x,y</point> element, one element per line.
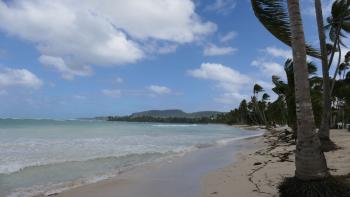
<point>219,72</point>
<point>231,97</point>
<point>269,61</point>
<point>278,52</point>
<point>154,47</point>
<point>156,89</point>
<point>230,81</point>
<point>19,78</point>
<point>265,85</point>
<point>228,37</point>
<point>166,20</point>
<point>213,50</point>
<point>112,93</point>
<point>100,32</point>
<point>151,91</point>
<point>67,72</point>
<point>269,68</point>
<point>222,6</point>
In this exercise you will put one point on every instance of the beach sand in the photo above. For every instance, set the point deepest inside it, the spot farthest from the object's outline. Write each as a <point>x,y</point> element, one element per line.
<point>254,171</point>
<point>257,171</point>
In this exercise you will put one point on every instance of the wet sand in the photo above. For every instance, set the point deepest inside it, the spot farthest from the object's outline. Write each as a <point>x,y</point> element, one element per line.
<point>177,177</point>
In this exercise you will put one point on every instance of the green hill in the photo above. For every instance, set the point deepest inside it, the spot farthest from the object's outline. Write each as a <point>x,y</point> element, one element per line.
<point>175,113</point>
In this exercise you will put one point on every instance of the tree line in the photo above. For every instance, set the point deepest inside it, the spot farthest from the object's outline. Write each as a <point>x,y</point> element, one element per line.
<point>201,120</point>
<point>313,101</point>
<point>260,110</point>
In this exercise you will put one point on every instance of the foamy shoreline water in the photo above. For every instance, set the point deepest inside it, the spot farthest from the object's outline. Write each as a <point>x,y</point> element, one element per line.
<point>92,151</point>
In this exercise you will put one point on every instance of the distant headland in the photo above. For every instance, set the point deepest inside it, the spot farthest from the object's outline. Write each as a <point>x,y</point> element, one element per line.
<point>169,116</point>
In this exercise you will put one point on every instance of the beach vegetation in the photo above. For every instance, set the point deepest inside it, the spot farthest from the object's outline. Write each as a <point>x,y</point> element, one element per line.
<point>283,20</point>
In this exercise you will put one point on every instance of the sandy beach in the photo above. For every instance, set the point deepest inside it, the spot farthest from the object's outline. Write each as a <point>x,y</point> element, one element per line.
<point>180,176</point>
<point>258,171</point>
<point>254,171</point>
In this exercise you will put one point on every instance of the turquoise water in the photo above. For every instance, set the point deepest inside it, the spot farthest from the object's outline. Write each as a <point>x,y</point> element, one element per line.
<point>50,155</point>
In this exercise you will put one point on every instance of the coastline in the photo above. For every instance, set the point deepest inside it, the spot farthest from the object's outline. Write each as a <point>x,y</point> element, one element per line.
<point>254,170</point>
<point>258,171</point>
<point>86,152</point>
<point>180,176</point>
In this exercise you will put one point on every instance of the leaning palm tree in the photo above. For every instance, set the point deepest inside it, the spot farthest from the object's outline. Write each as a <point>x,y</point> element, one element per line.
<point>274,16</point>
<point>265,97</point>
<point>256,90</point>
<point>310,161</point>
<point>342,70</point>
<point>324,127</point>
<point>289,90</point>
<point>311,165</point>
<point>338,23</point>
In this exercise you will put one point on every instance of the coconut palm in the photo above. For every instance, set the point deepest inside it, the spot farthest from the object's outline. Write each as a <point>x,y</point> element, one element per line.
<point>256,90</point>
<point>309,159</point>
<point>243,110</point>
<point>342,70</point>
<point>265,97</point>
<point>324,127</point>
<point>274,16</point>
<point>338,25</point>
<point>263,106</point>
<point>311,174</point>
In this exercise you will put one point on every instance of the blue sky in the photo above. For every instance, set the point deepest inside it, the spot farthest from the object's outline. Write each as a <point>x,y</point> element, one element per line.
<point>64,59</point>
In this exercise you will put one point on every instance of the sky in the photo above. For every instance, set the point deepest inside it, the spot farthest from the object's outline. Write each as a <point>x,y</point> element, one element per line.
<point>68,58</point>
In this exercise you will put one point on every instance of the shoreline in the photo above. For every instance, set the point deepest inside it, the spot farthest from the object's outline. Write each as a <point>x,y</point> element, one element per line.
<point>71,160</point>
<point>253,170</point>
<point>176,176</point>
<point>257,172</point>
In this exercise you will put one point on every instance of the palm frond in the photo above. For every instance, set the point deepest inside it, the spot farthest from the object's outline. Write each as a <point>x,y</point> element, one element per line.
<point>274,17</point>
<point>257,88</point>
<point>312,68</point>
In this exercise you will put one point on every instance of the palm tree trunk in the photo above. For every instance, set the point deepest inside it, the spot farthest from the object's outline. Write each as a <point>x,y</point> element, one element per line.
<point>336,69</point>
<point>290,100</point>
<point>324,128</point>
<point>309,159</point>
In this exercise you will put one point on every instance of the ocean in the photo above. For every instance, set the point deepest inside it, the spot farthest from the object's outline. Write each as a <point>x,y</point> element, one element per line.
<point>49,156</point>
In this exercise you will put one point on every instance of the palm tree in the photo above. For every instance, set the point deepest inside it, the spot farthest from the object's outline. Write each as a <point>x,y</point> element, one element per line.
<point>273,15</point>
<point>287,89</point>
<point>311,174</point>
<point>265,97</point>
<point>342,70</point>
<point>256,90</point>
<point>283,100</point>
<point>243,110</point>
<point>324,127</point>
<point>290,94</point>
<point>338,22</point>
<point>309,160</point>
